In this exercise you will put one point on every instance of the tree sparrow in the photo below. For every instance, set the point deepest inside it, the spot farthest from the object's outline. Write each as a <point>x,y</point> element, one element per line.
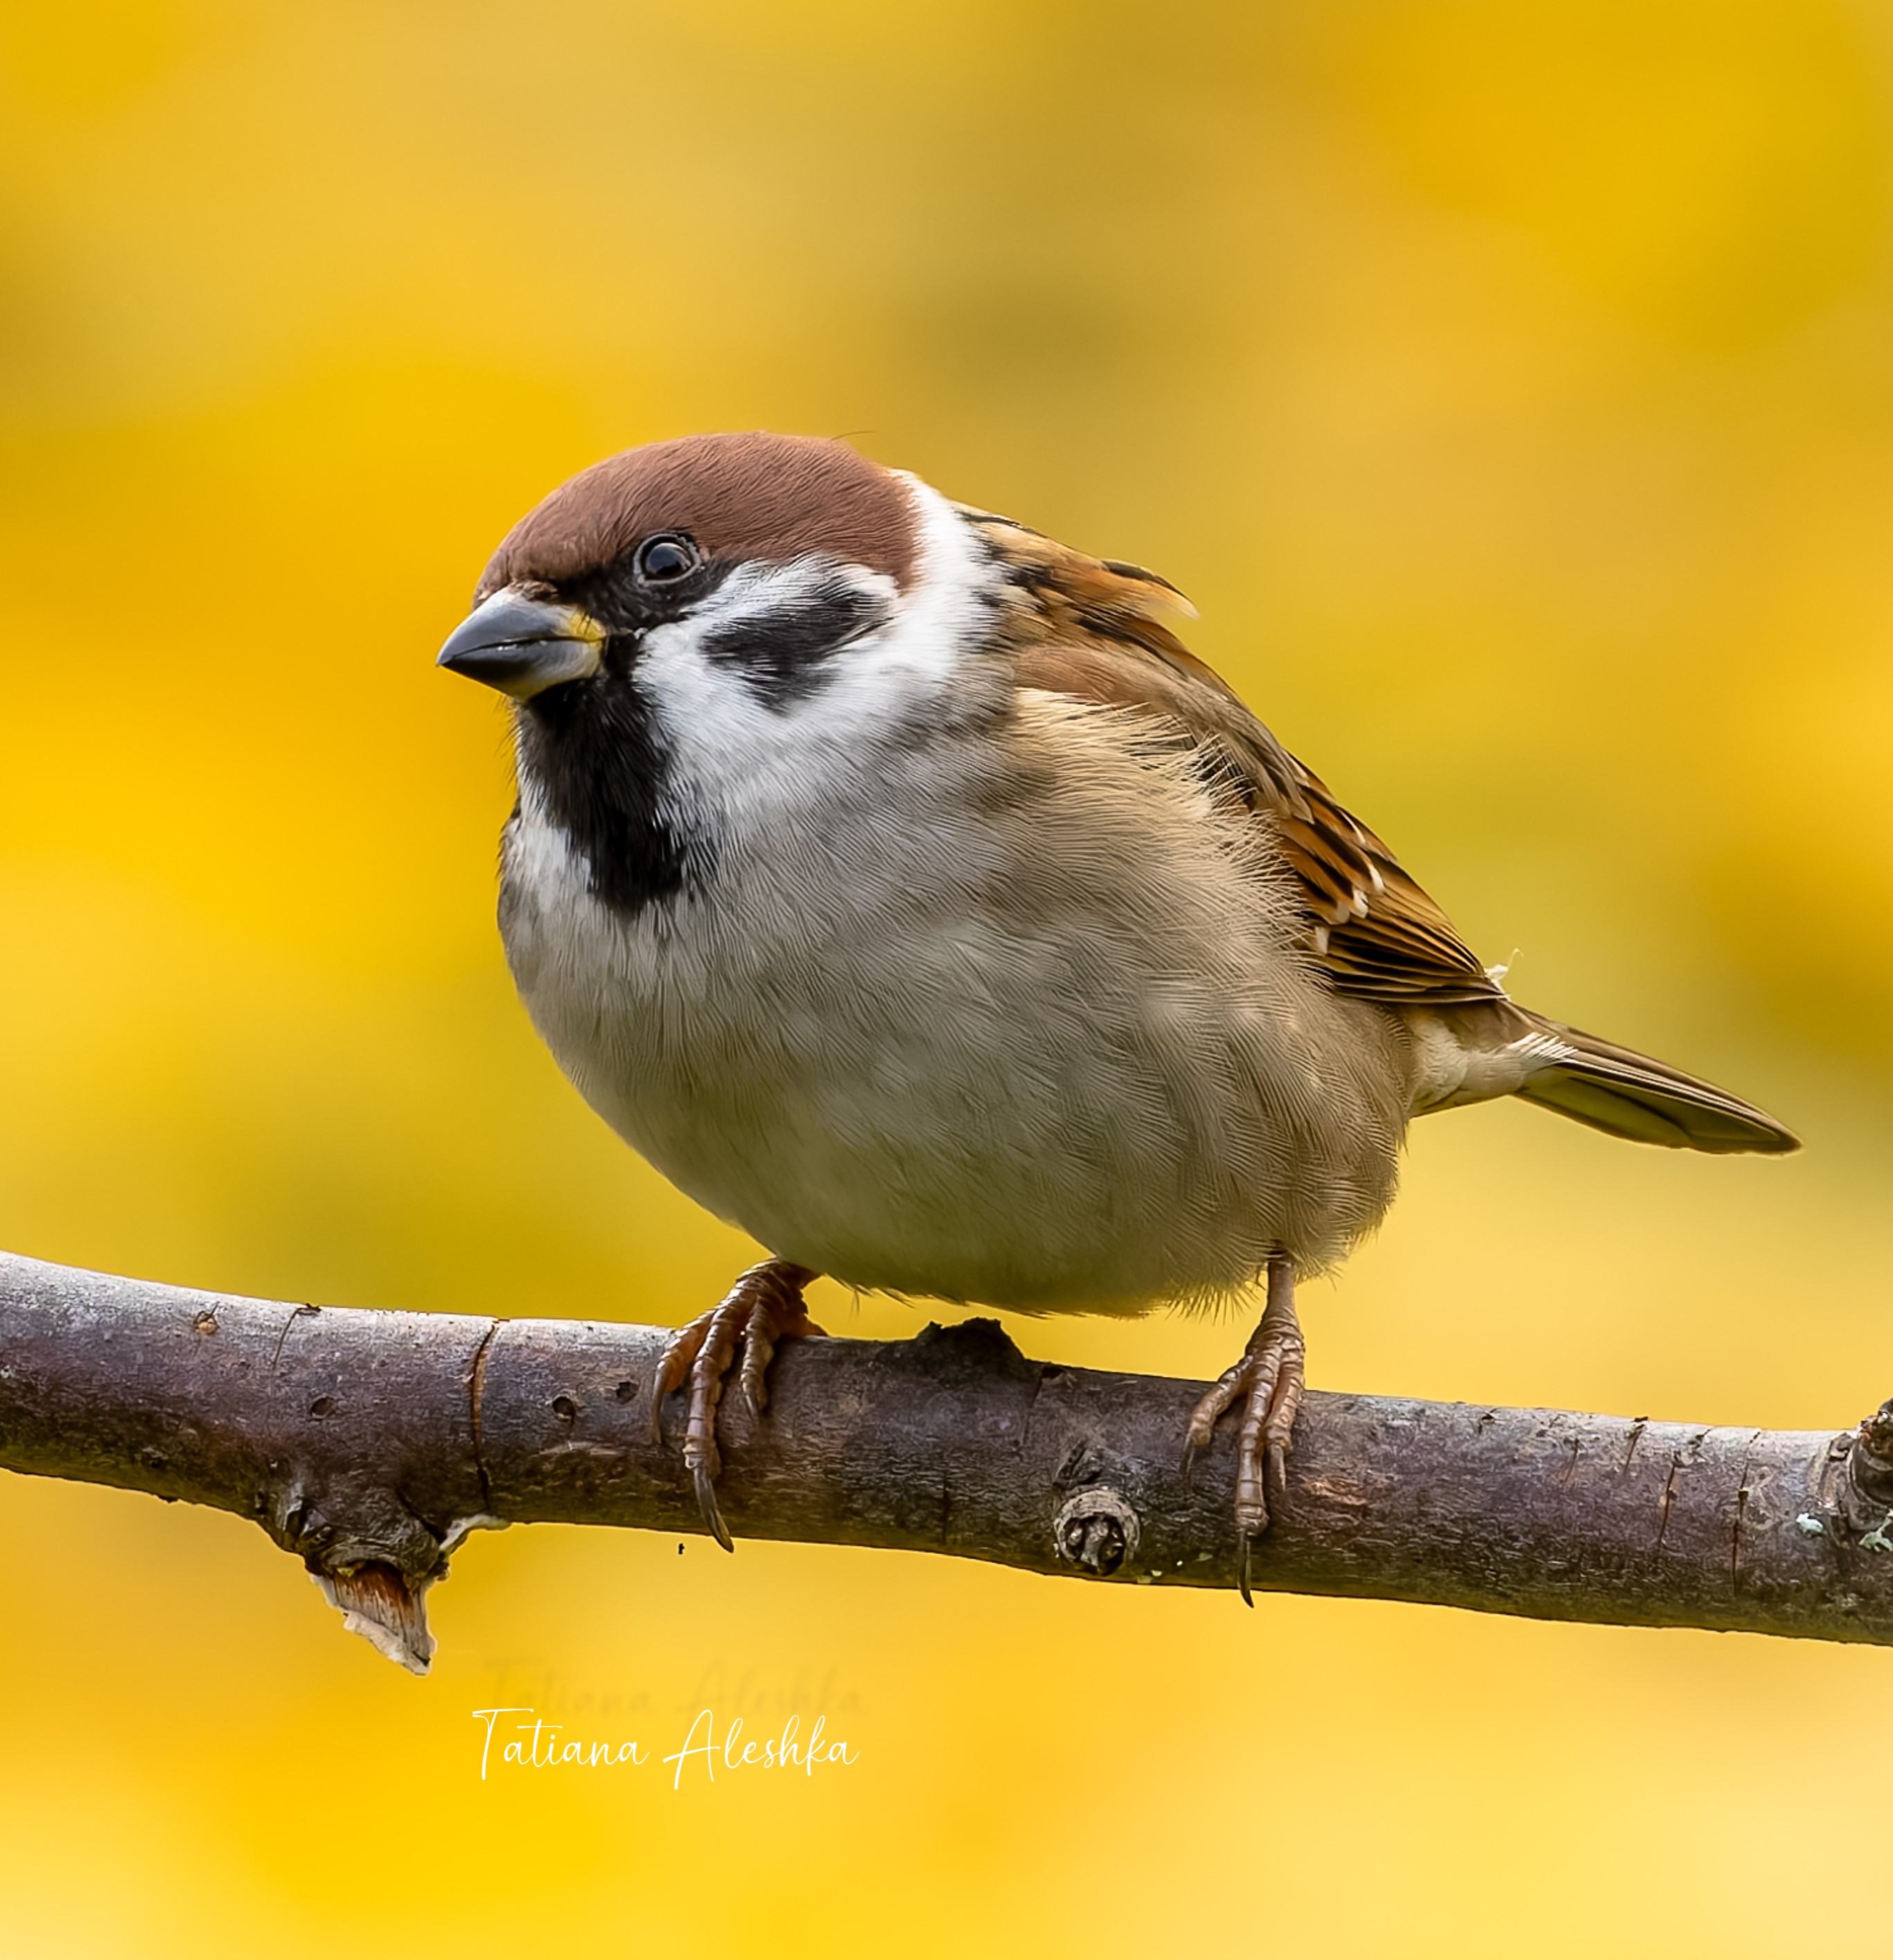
<point>896,882</point>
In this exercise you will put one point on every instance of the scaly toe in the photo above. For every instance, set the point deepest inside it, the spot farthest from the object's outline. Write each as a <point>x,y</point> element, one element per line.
<point>1268,1381</point>
<point>763,1308</point>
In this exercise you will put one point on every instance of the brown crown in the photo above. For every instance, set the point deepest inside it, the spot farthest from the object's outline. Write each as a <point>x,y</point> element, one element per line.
<point>754,496</point>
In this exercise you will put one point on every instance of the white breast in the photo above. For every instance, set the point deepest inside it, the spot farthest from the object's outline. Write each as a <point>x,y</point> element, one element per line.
<point>955,1062</point>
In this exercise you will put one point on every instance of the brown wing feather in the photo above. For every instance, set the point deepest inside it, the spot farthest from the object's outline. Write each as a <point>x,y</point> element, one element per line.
<point>1095,629</point>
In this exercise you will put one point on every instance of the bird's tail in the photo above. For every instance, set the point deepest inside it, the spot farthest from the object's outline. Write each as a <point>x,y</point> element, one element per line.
<point>1626,1094</point>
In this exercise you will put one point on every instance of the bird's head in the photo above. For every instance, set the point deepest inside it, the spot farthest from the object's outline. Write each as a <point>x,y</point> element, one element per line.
<point>754,557</point>
<point>711,637</point>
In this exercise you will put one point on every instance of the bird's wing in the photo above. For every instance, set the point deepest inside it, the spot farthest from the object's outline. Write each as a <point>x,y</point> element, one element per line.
<point>1095,629</point>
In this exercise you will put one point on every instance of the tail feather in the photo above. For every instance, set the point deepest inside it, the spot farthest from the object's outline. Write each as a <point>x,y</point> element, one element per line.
<point>1626,1094</point>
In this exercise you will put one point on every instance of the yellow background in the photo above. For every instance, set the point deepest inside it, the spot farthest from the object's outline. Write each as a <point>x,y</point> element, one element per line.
<point>1508,382</point>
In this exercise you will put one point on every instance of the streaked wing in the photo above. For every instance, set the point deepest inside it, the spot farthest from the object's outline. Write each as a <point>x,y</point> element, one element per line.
<point>1095,629</point>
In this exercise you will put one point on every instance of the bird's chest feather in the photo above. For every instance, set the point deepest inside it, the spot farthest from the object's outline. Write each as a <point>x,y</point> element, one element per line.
<point>1029,1038</point>
<point>820,981</point>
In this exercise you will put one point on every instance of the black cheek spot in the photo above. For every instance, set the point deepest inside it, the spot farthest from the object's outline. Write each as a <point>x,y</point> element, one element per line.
<point>781,653</point>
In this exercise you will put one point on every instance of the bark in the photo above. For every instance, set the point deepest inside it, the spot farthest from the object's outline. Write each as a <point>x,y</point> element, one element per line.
<point>369,1444</point>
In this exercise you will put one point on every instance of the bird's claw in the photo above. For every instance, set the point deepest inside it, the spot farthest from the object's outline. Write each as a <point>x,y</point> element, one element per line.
<point>704,1478</point>
<point>1268,1381</point>
<point>763,1308</point>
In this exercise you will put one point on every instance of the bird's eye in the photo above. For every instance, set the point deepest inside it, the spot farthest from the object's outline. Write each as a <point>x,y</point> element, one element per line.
<point>665,559</point>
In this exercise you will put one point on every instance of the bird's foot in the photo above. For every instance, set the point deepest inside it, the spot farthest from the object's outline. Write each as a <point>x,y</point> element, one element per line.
<point>764,1306</point>
<point>1269,1378</point>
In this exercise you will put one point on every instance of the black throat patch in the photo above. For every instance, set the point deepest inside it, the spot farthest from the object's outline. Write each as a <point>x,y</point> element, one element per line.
<point>596,753</point>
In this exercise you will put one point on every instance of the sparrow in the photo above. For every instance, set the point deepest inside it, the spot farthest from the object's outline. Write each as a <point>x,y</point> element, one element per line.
<point>894,880</point>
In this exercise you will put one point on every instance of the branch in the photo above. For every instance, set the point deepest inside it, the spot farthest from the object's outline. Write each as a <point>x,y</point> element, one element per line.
<point>371,1443</point>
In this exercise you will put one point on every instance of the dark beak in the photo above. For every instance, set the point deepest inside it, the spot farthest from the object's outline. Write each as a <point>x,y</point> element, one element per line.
<point>523,646</point>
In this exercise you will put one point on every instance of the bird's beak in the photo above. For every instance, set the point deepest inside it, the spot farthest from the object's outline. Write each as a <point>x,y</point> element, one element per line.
<point>523,646</point>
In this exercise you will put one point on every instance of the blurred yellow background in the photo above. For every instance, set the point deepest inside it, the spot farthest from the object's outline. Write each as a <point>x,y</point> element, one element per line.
<point>1510,382</point>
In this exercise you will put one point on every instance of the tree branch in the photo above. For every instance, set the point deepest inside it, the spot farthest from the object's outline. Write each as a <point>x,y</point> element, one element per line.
<point>371,1443</point>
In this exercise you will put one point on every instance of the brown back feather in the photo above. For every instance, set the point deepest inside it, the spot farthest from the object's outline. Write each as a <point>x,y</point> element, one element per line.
<point>1095,629</point>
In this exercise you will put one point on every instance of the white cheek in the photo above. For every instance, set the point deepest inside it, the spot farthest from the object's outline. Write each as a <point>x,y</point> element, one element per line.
<point>713,720</point>
<point>738,763</point>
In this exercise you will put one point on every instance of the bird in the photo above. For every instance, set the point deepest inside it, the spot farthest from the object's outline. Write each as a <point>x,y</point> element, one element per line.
<point>893,878</point>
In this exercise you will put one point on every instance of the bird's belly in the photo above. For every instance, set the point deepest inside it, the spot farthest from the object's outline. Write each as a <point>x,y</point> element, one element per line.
<point>958,1110</point>
<point>916,1160</point>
